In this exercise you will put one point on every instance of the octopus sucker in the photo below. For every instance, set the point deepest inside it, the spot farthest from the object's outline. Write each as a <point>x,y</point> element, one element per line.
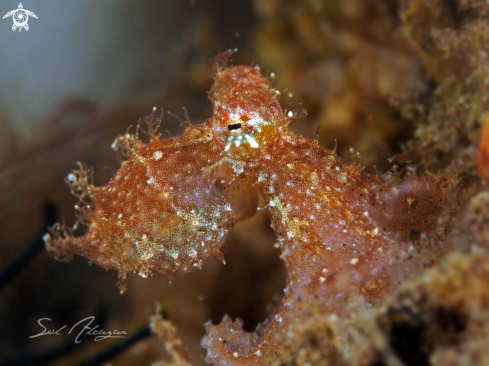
<point>171,205</point>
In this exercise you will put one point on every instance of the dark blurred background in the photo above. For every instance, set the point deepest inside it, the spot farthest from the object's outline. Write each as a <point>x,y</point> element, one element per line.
<point>86,70</point>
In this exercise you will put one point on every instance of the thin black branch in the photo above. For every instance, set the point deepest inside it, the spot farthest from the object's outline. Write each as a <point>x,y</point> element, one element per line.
<point>30,249</point>
<point>117,348</point>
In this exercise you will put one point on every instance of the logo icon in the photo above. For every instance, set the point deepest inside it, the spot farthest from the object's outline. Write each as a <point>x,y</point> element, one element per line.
<point>20,17</point>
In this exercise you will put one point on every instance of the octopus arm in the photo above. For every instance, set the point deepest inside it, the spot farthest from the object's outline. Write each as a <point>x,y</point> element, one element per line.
<point>161,214</point>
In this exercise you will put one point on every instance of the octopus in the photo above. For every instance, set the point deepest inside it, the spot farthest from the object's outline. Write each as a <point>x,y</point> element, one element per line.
<point>173,202</point>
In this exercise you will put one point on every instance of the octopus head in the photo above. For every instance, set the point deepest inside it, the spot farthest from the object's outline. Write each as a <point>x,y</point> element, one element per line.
<point>246,110</point>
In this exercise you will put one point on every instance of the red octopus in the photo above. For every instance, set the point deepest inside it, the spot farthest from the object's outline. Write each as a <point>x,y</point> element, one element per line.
<point>171,205</point>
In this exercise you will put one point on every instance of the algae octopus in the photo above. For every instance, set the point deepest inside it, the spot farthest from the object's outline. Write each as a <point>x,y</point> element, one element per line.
<point>170,206</point>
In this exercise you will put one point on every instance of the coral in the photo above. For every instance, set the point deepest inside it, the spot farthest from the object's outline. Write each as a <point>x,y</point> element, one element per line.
<point>170,206</point>
<point>340,61</point>
<point>451,39</point>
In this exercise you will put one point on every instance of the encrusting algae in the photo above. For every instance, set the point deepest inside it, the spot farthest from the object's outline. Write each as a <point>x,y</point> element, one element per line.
<point>171,205</point>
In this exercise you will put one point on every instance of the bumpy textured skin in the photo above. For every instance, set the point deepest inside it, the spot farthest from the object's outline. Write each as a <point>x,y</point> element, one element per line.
<point>161,214</point>
<point>179,197</point>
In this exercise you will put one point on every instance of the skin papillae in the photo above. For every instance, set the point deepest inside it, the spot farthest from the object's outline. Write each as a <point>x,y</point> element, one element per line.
<point>170,206</point>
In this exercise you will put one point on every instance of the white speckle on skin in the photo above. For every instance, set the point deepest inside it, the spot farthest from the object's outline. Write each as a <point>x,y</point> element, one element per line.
<point>262,177</point>
<point>157,155</point>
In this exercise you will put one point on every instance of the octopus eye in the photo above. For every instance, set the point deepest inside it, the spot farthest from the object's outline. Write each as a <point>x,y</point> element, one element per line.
<point>234,126</point>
